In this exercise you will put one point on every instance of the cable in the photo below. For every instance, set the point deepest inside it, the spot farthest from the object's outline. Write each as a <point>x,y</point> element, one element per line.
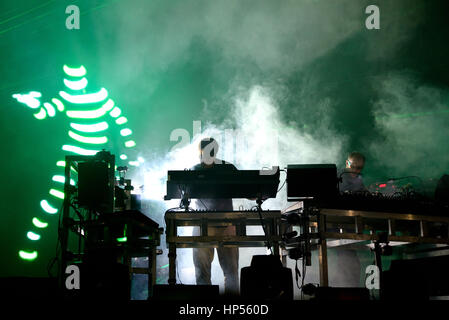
<point>285,180</point>
<point>259,211</point>
<point>203,204</point>
<point>282,185</point>
<point>303,276</point>
<point>297,274</point>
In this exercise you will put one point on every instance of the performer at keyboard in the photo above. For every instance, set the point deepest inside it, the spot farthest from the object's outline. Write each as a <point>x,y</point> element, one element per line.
<point>351,176</point>
<point>228,257</point>
<point>348,262</point>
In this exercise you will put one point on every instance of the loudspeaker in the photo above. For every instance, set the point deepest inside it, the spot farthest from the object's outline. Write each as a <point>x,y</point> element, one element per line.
<point>266,279</point>
<point>94,191</point>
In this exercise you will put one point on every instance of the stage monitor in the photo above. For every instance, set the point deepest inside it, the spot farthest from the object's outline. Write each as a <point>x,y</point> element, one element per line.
<point>94,188</point>
<point>317,181</point>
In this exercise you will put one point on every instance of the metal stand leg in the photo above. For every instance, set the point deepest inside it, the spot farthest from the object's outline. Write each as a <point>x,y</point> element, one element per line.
<point>324,281</point>
<point>276,248</point>
<point>378,261</point>
<point>172,263</point>
<point>152,270</point>
<point>284,259</point>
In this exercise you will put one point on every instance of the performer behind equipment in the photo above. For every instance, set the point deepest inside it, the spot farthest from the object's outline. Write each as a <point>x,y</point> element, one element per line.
<point>351,175</point>
<point>228,257</point>
<point>347,260</point>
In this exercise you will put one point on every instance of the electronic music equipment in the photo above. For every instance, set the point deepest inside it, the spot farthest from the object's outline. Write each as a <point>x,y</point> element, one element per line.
<point>376,202</point>
<point>369,217</point>
<point>96,182</point>
<point>222,184</point>
<point>266,279</point>
<point>318,181</point>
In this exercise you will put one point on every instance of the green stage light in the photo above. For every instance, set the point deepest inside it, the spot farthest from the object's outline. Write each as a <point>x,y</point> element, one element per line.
<point>115,112</point>
<point>61,179</point>
<point>91,114</point>
<point>83,133</point>
<point>121,120</point>
<point>95,127</point>
<point>50,109</point>
<point>123,239</point>
<point>48,208</point>
<point>57,193</point>
<point>26,255</point>
<point>85,98</point>
<point>61,163</point>
<point>89,140</point>
<point>40,224</point>
<point>130,144</point>
<point>41,115</point>
<point>76,85</point>
<point>33,236</point>
<point>78,150</point>
<point>58,104</point>
<point>74,72</point>
<point>29,99</point>
<point>125,132</point>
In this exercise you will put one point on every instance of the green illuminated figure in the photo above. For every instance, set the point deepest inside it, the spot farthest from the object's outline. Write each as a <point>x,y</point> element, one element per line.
<point>89,115</point>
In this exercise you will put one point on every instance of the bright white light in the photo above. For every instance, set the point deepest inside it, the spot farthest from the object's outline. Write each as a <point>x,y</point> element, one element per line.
<point>39,224</point>
<point>91,114</point>
<point>134,163</point>
<point>85,98</point>
<point>74,72</point>
<point>78,150</point>
<point>33,236</point>
<point>76,85</point>
<point>95,127</point>
<point>50,109</point>
<point>29,99</point>
<point>61,179</point>
<point>125,132</point>
<point>90,140</point>
<point>47,207</point>
<point>57,193</point>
